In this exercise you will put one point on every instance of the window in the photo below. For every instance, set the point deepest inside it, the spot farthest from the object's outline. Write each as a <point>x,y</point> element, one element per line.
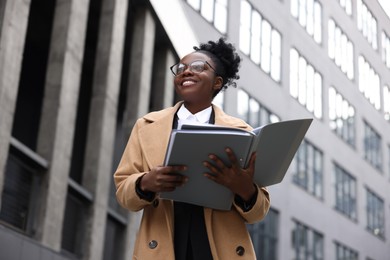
<point>341,116</point>
<point>367,24</point>
<point>219,99</point>
<point>347,6</point>
<point>386,102</point>
<point>260,41</point>
<point>214,11</point>
<point>307,243</point>
<point>340,49</point>
<point>265,236</point>
<point>308,14</point>
<point>75,220</point>
<point>388,152</point>
<point>345,192</point>
<point>305,83</point>
<point>307,168</point>
<point>252,111</point>
<point>386,49</point>
<point>369,83</point>
<point>114,239</point>
<point>372,147</point>
<point>343,252</point>
<point>23,177</point>
<point>375,214</point>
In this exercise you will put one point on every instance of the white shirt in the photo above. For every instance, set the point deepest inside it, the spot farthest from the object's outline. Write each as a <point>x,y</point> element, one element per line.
<point>185,116</point>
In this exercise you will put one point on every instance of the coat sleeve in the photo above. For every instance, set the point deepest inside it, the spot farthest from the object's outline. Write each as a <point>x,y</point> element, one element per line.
<point>130,168</point>
<point>262,204</point>
<point>259,209</point>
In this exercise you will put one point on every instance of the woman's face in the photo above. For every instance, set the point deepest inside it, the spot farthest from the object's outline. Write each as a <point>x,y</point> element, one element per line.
<point>197,88</point>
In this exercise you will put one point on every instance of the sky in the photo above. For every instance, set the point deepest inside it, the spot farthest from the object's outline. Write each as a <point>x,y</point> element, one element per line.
<point>386,6</point>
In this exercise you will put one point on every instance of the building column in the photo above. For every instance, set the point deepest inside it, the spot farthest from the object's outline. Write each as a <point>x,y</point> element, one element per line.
<point>14,18</point>
<point>59,113</point>
<point>163,89</point>
<point>97,172</point>
<point>141,67</point>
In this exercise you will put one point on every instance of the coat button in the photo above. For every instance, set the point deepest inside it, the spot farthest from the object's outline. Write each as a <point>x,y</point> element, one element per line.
<point>153,244</point>
<point>240,250</point>
<point>155,203</point>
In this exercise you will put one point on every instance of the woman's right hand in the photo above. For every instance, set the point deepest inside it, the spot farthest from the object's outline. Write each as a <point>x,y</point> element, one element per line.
<point>163,179</point>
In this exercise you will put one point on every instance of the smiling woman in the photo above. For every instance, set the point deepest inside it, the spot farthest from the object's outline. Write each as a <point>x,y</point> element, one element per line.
<point>176,230</point>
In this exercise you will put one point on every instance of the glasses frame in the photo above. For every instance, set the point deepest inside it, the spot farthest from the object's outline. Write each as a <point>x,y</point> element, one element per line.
<point>189,66</point>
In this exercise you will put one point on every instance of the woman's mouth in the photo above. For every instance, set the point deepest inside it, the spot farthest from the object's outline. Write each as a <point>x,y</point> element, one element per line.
<point>188,83</point>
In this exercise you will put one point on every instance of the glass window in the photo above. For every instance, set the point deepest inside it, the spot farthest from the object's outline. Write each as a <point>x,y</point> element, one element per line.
<point>340,49</point>
<point>307,169</point>
<point>309,15</point>
<point>219,99</point>
<point>243,105</point>
<point>367,23</point>
<point>347,6</point>
<point>75,221</point>
<point>245,28</point>
<point>221,15</point>
<point>20,198</point>
<point>207,9</point>
<point>250,110</point>
<point>265,236</point>
<point>260,41</point>
<point>372,147</point>
<point>386,102</point>
<point>307,243</point>
<point>375,214</point>
<point>114,239</point>
<point>214,11</point>
<point>305,83</point>
<point>344,252</point>
<point>345,192</point>
<point>369,83</point>
<point>385,49</point>
<point>341,116</point>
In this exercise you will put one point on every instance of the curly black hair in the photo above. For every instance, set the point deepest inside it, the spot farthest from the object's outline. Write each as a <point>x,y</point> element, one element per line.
<point>227,60</point>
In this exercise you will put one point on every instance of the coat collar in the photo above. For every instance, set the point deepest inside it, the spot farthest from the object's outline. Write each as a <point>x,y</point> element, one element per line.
<point>154,136</point>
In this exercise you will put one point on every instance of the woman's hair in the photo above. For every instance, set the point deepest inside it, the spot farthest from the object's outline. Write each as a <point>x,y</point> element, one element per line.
<point>227,61</point>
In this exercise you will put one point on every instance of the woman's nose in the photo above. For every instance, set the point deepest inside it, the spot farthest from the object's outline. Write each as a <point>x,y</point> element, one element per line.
<point>187,70</point>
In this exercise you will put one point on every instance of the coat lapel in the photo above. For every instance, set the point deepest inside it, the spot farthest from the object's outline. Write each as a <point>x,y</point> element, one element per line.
<point>154,137</point>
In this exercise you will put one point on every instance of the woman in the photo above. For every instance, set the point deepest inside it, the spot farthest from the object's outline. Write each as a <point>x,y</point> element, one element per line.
<point>173,230</point>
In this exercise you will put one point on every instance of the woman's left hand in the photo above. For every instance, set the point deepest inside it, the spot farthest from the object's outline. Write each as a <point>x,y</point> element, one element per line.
<point>235,178</point>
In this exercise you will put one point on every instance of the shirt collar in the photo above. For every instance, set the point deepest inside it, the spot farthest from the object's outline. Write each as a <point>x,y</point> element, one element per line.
<point>202,116</point>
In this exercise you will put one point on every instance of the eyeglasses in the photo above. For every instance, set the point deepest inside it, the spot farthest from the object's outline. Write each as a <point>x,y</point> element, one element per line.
<point>196,66</point>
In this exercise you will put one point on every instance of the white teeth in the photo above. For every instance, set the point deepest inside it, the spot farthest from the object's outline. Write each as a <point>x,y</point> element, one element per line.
<point>187,83</point>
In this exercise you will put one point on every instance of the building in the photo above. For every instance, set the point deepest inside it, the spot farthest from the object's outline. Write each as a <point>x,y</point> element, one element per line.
<point>74,75</point>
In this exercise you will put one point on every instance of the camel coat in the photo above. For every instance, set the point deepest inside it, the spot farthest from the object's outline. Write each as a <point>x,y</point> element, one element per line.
<point>226,230</point>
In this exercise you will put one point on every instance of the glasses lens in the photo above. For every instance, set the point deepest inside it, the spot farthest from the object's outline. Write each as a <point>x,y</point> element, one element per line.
<point>197,66</point>
<point>178,68</point>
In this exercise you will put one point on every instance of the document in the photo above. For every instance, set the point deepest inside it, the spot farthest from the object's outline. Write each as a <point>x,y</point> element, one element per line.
<point>274,143</point>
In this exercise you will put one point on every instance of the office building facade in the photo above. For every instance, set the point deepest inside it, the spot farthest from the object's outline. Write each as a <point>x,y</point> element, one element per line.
<point>76,74</point>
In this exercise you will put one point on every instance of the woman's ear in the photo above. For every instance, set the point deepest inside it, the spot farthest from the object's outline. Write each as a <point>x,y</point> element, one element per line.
<point>218,82</point>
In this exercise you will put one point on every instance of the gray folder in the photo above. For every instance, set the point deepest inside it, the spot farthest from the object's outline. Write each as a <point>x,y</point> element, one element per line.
<point>275,144</point>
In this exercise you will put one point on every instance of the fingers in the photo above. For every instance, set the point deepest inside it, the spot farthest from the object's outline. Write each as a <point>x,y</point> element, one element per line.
<point>220,165</point>
<point>165,178</point>
<point>232,157</point>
